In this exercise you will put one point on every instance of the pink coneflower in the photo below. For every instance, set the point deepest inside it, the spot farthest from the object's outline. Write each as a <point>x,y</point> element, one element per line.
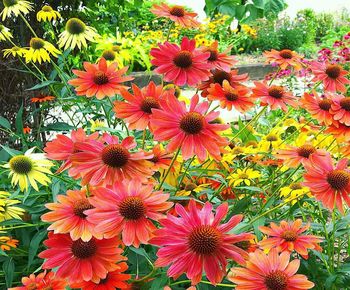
<point>189,130</point>
<point>274,96</point>
<point>269,272</point>
<point>340,109</point>
<point>63,146</point>
<point>67,216</point>
<point>219,60</point>
<point>228,96</point>
<point>183,64</point>
<point>284,58</point>
<point>106,161</point>
<point>100,79</point>
<point>332,76</point>
<point>318,106</point>
<point>127,208</point>
<point>340,131</point>
<point>329,184</point>
<point>194,240</point>
<point>289,237</point>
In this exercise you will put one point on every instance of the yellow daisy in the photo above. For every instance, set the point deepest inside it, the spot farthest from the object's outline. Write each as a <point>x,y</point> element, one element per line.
<point>15,7</point>
<point>47,14</point>
<point>97,124</point>
<point>40,50</point>
<point>243,176</point>
<point>294,191</point>
<point>5,33</point>
<point>7,209</point>
<point>29,168</point>
<point>191,187</point>
<point>76,34</point>
<point>14,51</point>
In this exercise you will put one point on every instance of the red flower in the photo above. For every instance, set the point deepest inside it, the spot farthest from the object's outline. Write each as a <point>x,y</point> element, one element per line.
<point>176,13</point>
<point>181,65</point>
<point>40,98</point>
<point>196,240</point>
<point>189,130</point>
<point>42,281</point>
<point>340,131</point>
<point>99,80</point>
<point>284,58</point>
<point>80,261</point>
<point>219,60</point>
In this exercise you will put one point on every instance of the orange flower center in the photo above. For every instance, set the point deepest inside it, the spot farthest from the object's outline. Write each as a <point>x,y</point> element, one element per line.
<point>231,97</point>
<point>306,150</point>
<point>244,245</point>
<point>178,11</point>
<point>325,104</point>
<point>115,155</point>
<point>192,123</point>
<point>338,179</point>
<point>345,104</point>
<point>80,206</point>
<point>289,236</point>
<point>183,59</point>
<point>100,78</point>
<point>219,76</point>
<point>333,71</point>
<point>204,240</point>
<point>148,104</point>
<point>276,92</point>
<point>132,208</point>
<point>295,186</point>
<point>276,280</point>
<point>286,53</point>
<point>84,250</point>
<point>214,55</point>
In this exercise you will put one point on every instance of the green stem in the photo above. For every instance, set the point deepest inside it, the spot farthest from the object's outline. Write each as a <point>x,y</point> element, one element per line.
<point>169,168</point>
<point>184,174</point>
<point>28,25</point>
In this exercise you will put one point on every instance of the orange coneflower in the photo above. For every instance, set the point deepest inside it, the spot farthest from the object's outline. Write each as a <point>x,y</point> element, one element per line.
<point>6,243</point>
<point>26,130</point>
<point>340,109</point>
<point>219,60</point>
<point>289,237</point>
<point>176,13</point>
<point>284,58</point>
<point>43,281</point>
<point>161,158</point>
<point>40,98</point>
<point>340,131</point>
<point>269,272</point>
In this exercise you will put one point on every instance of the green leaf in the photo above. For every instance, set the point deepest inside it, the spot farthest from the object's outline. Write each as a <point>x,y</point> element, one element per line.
<point>58,126</point>
<point>34,245</point>
<point>10,151</point>
<point>8,268</point>
<point>140,251</point>
<point>5,123</point>
<point>42,85</point>
<point>19,121</point>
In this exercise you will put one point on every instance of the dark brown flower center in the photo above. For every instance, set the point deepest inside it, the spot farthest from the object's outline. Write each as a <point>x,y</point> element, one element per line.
<point>276,92</point>
<point>338,179</point>
<point>214,55</point>
<point>36,43</point>
<point>244,245</point>
<point>271,138</point>
<point>100,78</point>
<point>306,150</point>
<point>84,250</point>
<point>154,159</point>
<point>132,208</point>
<point>219,76</point>
<point>178,11</point>
<point>9,3</point>
<point>333,71</point>
<point>21,164</point>
<point>231,97</point>
<point>148,104</point>
<point>276,280</point>
<point>109,55</point>
<point>295,186</point>
<point>345,104</point>
<point>75,26</point>
<point>286,53</point>
<point>80,206</point>
<point>115,155</point>
<point>325,104</point>
<point>289,236</point>
<point>47,8</point>
<point>183,59</point>
<point>190,186</point>
<point>192,123</point>
<point>204,240</point>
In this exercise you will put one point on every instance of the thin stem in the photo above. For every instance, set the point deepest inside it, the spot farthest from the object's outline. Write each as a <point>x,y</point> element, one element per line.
<point>169,168</point>
<point>28,25</point>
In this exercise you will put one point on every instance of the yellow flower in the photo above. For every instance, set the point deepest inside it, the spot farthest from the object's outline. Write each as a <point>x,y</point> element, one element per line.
<point>29,168</point>
<point>293,192</point>
<point>271,141</point>
<point>109,55</point>
<point>14,51</point>
<point>191,187</point>
<point>7,209</point>
<point>243,176</point>
<point>15,7</point>
<point>40,50</point>
<point>76,34</point>
<point>6,243</point>
<point>47,14</point>
<point>96,123</point>
<point>5,33</point>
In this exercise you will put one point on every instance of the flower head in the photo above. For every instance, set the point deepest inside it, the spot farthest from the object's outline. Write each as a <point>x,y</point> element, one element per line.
<point>294,192</point>
<point>284,58</point>
<point>195,239</point>
<point>5,33</point>
<point>340,109</point>
<point>244,176</point>
<point>40,50</point>
<point>99,80</point>
<point>14,51</point>
<point>43,281</point>
<point>219,60</point>
<point>183,64</point>
<point>76,34</point>
<point>269,272</point>
<point>40,98</point>
<point>29,168</point>
<point>7,243</point>
<point>15,7</point>
<point>189,130</point>
<point>176,13</point>
<point>8,208</point>
<point>127,208</point>
<point>161,158</point>
<point>289,237</point>
<point>79,261</point>
<point>47,14</point>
